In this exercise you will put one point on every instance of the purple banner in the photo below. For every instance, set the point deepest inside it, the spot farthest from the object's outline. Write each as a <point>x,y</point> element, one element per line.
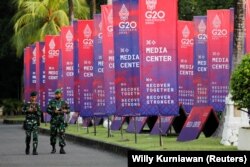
<point>67,50</point>
<point>40,50</point>
<point>218,31</point>
<point>186,64</point>
<point>98,81</point>
<point>201,78</point>
<point>158,58</point>
<point>127,71</point>
<point>76,69</point>
<point>108,58</point>
<point>52,52</point>
<point>33,61</point>
<point>85,59</point>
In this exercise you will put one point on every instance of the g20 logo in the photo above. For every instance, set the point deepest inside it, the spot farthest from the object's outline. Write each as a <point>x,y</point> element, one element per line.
<point>69,45</point>
<point>54,52</point>
<point>219,32</point>
<point>155,14</point>
<point>87,42</point>
<point>128,25</point>
<point>202,36</point>
<point>187,41</point>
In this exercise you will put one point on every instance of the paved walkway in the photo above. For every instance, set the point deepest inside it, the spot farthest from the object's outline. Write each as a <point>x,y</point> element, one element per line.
<point>12,153</point>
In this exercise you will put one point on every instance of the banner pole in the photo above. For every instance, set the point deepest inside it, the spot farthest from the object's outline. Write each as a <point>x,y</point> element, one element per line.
<point>94,126</point>
<point>122,131</point>
<point>135,128</point>
<point>160,132</point>
<point>45,119</point>
<point>109,135</point>
<point>77,123</point>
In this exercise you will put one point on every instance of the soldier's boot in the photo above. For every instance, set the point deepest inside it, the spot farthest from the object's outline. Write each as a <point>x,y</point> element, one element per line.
<point>53,149</point>
<point>62,151</point>
<point>27,150</point>
<point>35,149</point>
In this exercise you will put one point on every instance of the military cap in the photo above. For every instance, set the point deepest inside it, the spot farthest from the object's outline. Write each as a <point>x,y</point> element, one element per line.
<point>57,91</point>
<point>33,93</point>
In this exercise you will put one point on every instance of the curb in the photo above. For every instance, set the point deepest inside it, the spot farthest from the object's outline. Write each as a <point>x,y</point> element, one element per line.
<point>6,121</point>
<point>113,148</point>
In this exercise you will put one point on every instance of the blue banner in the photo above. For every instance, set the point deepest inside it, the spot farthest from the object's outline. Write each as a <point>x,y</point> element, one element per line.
<point>98,81</point>
<point>76,69</point>
<point>201,77</point>
<point>158,57</point>
<point>108,58</point>
<point>127,59</point>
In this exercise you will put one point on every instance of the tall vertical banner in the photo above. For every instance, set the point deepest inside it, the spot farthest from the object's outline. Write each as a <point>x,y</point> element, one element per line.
<point>201,79</point>
<point>52,52</point>
<point>85,59</point>
<point>231,36</point>
<point>247,18</point>
<point>158,57</point>
<point>218,31</point>
<point>40,50</point>
<point>186,64</point>
<point>33,59</point>
<point>98,82</point>
<point>67,50</point>
<point>76,69</point>
<point>108,58</point>
<point>26,80</point>
<point>127,59</point>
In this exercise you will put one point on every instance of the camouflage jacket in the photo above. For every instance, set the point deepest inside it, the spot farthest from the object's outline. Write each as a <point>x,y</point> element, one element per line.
<point>57,105</point>
<point>32,111</point>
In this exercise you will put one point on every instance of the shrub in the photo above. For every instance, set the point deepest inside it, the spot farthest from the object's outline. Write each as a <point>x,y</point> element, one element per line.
<point>240,83</point>
<point>12,107</point>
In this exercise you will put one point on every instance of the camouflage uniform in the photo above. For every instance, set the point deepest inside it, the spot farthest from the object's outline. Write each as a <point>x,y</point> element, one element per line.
<point>57,122</point>
<point>32,121</point>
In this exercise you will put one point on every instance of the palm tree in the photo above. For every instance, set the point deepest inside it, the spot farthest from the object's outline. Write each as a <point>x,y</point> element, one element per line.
<point>36,18</point>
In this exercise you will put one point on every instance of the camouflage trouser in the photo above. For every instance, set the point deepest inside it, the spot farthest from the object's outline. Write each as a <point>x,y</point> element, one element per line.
<point>57,128</point>
<point>32,129</point>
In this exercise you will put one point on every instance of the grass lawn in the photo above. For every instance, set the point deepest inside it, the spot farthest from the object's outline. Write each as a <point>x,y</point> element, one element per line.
<point>145,141</point>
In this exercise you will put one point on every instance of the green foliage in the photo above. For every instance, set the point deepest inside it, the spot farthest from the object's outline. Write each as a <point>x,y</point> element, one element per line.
<point>12,107</point>
<point>188,9</point>
<point>240,83</point>
<point>36,18</point>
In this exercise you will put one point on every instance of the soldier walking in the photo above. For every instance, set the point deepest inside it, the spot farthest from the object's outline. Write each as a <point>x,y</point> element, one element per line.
<point>32,121</point>
<point>57,108</point>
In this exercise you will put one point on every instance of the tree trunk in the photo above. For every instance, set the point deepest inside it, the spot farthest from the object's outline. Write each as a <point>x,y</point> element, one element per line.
<point>94,6</point>
<point>239,32</point>
<point>71,11</point>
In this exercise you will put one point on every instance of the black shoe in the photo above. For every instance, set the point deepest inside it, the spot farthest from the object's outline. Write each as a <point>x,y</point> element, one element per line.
<point>62,151</point>
<point>53,150</point>
<point>27,150</point>
<point>35,152</point>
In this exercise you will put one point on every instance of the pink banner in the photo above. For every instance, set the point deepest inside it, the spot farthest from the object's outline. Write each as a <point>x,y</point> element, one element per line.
<point>85,59</point>
<point>108,58</point>
<point>247,26</point>
<point>158,57</point>
<point>186,64</point>
<point>40,68</point>
<point>218,31</point>
<point>52,52</point>
<point>67,50</point>
<point>26,73</point>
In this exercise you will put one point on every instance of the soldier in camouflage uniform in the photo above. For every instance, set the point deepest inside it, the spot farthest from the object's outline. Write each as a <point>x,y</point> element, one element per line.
<point>32,121</point>
<point>58,108</point>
